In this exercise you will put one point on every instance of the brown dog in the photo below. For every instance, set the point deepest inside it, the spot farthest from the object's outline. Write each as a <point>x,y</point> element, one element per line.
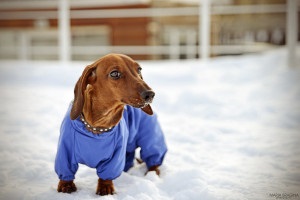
<point>101,93</point>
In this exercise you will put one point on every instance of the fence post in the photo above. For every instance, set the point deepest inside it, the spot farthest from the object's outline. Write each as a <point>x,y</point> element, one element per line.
<point>204,29</point>
<point>64,30</point>
<point>292,31</point>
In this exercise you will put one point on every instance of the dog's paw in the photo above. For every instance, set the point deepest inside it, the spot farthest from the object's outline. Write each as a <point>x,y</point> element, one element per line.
<point>66,186</point>
<point>155,169</point>
<point>105,187</point>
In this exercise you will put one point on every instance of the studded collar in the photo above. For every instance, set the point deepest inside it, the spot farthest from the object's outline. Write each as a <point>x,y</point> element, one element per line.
<point>95,130</point>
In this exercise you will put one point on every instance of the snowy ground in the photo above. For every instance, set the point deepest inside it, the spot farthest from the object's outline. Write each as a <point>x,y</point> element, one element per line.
<point>232,128</point>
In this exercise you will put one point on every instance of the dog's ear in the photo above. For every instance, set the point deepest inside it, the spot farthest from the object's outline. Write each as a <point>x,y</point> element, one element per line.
<point>88,76</point>
<point>147,109</point>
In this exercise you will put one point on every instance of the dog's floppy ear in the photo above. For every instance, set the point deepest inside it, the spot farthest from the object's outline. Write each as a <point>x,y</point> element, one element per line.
<point>147,109</point>
<point>87,76</point>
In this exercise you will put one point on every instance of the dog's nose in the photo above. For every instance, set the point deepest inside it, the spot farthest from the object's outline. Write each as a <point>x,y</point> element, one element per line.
<point>148,95</point>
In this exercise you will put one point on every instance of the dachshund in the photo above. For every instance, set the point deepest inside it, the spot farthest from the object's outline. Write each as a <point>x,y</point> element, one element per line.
<point>109,118</point>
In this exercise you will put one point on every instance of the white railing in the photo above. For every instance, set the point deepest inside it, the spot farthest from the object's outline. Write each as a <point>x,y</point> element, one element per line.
<point>145,12</point>
<point>204,11</point>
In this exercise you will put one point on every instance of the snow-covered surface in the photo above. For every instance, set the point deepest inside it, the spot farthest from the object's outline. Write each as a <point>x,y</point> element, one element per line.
<point>232,127</point>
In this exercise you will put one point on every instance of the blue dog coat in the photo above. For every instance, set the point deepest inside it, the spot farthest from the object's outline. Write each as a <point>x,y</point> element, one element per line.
<point>109,152</point>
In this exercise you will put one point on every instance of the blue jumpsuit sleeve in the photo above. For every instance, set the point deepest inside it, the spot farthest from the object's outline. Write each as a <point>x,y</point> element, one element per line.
<point>151,140</point>
<point>65,167</point>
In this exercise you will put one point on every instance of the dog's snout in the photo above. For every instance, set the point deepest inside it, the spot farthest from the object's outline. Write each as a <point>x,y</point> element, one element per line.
<point>148,95</point>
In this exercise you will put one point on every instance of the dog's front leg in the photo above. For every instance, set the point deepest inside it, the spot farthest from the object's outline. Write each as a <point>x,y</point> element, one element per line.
<point>105,187</point>
<point>66,186</point>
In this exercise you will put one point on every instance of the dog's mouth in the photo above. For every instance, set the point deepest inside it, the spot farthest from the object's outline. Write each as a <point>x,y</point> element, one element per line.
<point>141,106</point>
<point>138,103</point>
<point>146,104</point>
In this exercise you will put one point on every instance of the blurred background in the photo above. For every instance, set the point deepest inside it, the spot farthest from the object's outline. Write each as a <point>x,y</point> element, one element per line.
<point>232,124</point>
<point>143,29</point>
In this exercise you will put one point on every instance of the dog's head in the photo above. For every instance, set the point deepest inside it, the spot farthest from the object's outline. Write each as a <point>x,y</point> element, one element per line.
<point>114,79</point>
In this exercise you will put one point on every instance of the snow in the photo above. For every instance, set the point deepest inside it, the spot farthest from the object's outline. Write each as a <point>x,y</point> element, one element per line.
<point>231,125</point>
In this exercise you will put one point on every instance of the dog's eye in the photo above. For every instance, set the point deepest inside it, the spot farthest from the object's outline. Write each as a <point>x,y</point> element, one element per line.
<point>140,71</point>
<point>115,74</point>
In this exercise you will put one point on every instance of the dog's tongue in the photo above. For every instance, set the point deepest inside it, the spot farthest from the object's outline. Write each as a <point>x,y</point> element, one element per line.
<point>147,109</point>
